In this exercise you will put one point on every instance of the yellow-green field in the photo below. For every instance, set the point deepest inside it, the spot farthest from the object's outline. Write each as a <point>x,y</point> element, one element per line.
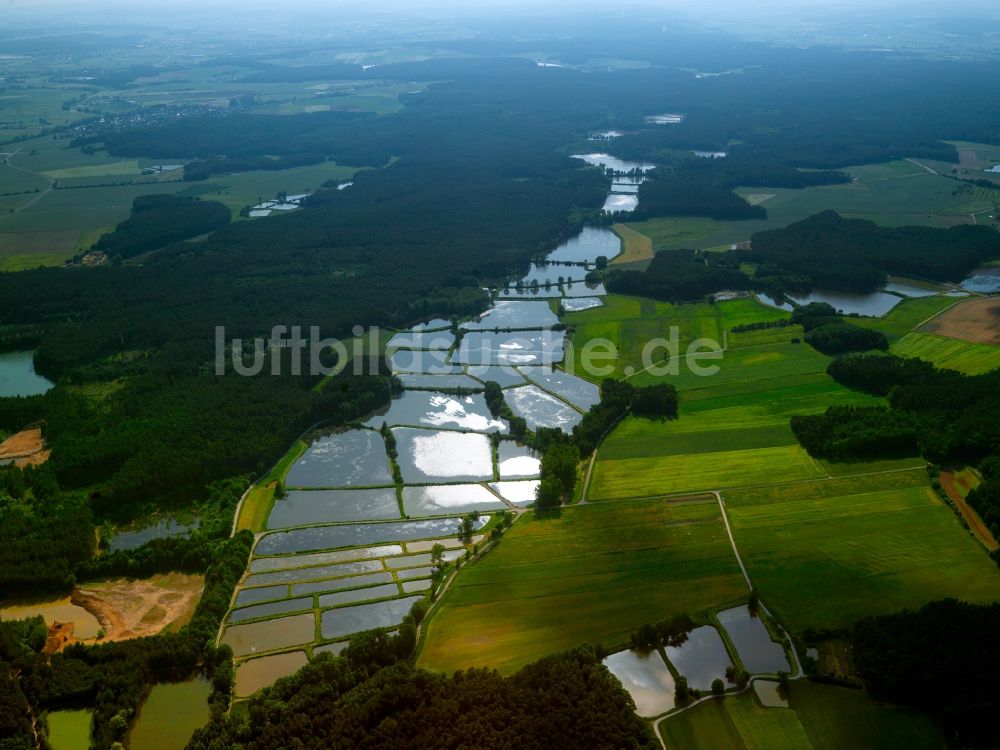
<point>825,553</point>
<point>636,246</point>
<point>666,475</point>
<point>819,717</point>
<point>593,573</point>
<point>964,356</point>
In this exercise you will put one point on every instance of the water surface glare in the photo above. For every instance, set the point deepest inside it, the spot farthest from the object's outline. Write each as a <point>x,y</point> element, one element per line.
<point>753,642</point>
<point>355,458</point>
<point>331,537</point>
<point>702,659</point>
<point>646,678</point>
<point>302,507</point>
<point>427,456</point>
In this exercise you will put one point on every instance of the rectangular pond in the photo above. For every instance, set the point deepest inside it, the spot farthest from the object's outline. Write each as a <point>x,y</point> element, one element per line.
<point>702,659</point>
<point>426,456</point>
<point>514,315</point>
<point>520,492</point>
<point>985,280</point>
<point>513,348</point>
<point>170,715</point>
<point>516,461</point>
<point>422,340</point>
<point>354,596</point>
<point>502,375</point>
<point>331,537</point>
<point>256,674</point>
<point>439,382</point>
<point>296,575</point>
<point>553,273</point>
<point>336,623</point>
<point>579,392</point>
<point>433,362</point>
<point>355,458</point>
<point>646,678</point>
<point>339,584</point>
<point>590,244</point>
<point>270,635</point>
<point>70,729</point>
<point>264,564</point>
<point>304,507</point>
<point>541,409</point>
<point>748,633</point>
<point>262,594</point>
<point>270,609</point>
<point>430,409</point>
<point>449,498</point>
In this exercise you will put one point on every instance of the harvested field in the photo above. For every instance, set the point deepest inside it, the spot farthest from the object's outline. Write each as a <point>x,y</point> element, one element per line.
<point>977,320</point>
<point>635,245</point>
<point>137,608</point>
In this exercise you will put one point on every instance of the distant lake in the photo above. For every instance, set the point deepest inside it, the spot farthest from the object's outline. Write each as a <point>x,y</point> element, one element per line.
<point>620,166</point>
<point>586,247</point>
<point>875,304</point>
<point>986,280</point>
<point>18,376</point>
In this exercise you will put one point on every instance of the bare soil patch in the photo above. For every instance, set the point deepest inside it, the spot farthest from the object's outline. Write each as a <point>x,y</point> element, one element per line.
<point>22,443</point>
<point>977,320</point>
<point>957,486</point>
<point>136,608</point>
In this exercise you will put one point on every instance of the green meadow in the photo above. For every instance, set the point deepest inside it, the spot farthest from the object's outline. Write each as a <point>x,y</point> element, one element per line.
<point>825,553</point>
<point>964,356</point>
<point>592,573</point>
<point>893,194</point>
<point>819,717</point>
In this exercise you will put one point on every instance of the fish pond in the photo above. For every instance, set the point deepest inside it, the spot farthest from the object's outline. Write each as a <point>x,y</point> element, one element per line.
<point>430,409</point>
<point>355,458</point>
<point>427,456</point>
<point>170,715</point>
<point>304,507</point>
<point>69,730</point>
<point>541,409</point>
<point>449,498</point>
<point>354,535</point>
<point>646,678</point>
<point>702,658</point>
<point>343,621</point>
<point>753,643</point>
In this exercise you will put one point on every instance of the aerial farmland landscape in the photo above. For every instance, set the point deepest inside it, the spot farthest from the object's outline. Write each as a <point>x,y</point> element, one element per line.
<point>469,375</point>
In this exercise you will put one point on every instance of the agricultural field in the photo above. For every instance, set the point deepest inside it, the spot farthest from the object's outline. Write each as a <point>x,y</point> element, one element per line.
<point>972,359</point>
<point>636,247</point>
<point>733,426</point>
<point>821,717</point>
<point>892,194</point>
<point>591,573</point>
<point>825,553</point>
<point>716,469</point>
<point>907,315</point>
<point>974,321</point>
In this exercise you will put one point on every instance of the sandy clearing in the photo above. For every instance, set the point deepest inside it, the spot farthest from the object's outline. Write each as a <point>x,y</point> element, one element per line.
<point>136,608</point>
<point>22,443</point>
<point>977,320</point>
